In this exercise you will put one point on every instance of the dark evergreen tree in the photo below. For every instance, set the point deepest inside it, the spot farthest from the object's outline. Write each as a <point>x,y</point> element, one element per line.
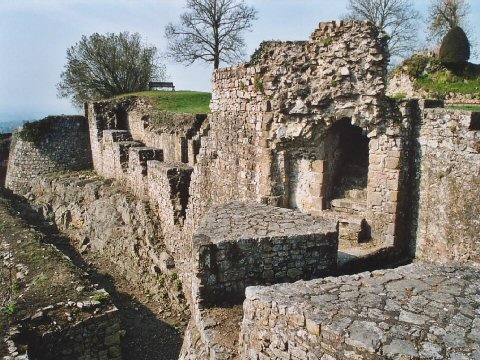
<point>455,49</point>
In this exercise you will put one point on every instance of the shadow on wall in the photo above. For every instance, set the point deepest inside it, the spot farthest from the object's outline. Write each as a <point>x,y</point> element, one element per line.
<point>4,153</point>
<point>346,157</point>
<point>144,330</point>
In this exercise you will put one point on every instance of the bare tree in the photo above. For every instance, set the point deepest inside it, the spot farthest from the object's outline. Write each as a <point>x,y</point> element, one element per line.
<point>101,66</point>
<point>210,31</point>
<point>397,18</point>
<point>444,15</point>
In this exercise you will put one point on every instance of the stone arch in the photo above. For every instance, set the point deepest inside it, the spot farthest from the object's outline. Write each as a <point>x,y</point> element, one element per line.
<point>345,152</point>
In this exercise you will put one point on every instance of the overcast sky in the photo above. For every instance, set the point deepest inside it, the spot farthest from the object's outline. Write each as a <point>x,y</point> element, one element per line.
<point>34,35</point>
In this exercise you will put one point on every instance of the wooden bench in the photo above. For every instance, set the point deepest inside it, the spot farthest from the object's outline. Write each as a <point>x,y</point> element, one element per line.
<point>160,85</point>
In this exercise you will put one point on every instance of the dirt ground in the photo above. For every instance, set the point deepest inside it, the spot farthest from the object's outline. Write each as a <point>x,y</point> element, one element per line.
<point>153,329</point>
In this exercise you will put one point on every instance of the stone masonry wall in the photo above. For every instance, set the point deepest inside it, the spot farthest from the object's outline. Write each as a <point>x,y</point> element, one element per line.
<point>269,119</point>
<point>177,134</point>
<point>413,312</point>
<point>64,145</point>
<point>96,338</point>
<point>450,187</point>
<point>244,244</point>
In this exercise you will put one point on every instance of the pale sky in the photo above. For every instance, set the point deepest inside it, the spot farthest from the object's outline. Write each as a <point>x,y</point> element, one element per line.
<point>34,36</point>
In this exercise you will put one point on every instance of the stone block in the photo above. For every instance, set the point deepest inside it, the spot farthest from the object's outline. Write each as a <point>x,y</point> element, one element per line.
<point>255,237</point>
<point>392,163</point>
<point>374,199</point>
<point>318,166</point>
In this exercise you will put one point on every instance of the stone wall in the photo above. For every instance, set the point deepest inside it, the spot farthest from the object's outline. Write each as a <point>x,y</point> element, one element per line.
<point>268,119</point>
<point>177,134</point>
<point>96,338</point>
<point>101,217</point>
<point>61,143</point>
<point>4,151</point>
<point>450,187</point>
<point>244,244</point>
<point>413,312</point>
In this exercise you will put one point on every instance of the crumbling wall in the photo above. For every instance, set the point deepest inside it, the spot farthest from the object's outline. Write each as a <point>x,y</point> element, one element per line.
<point>96,338</point>
<point>102,217</point>
<point>61,144</point>
<point>449,187</point>
<point>269,118</point>
<point>177,134</point>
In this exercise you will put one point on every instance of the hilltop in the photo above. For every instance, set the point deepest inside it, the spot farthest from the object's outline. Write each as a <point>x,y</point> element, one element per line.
<point>425,76</point>
<point>184,101</point>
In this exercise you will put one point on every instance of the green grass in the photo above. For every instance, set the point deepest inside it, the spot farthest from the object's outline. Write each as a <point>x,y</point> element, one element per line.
<point>475,108</point>
<point>193,102</point>
<point>441,80</point>
<point>445,83</point>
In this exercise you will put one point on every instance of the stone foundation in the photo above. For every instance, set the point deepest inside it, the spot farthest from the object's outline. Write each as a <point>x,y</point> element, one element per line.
<point>413,312</point>
<point>244,244</point>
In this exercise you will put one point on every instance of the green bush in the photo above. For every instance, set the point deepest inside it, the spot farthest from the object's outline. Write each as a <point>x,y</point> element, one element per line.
<point>259,52</point>
<point>36,131</point>
<point>419,65</point>
<point>258,84</point>
<point>455,49</point>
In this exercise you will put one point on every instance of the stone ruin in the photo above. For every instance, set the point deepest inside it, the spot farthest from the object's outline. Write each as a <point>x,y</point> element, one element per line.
<point>304,169</point>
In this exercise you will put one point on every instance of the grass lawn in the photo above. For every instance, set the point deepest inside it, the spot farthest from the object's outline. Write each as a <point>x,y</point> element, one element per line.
<point>475,108</point>
<point>194,102</point>
<point>438,84</point>
<point>444,81</point>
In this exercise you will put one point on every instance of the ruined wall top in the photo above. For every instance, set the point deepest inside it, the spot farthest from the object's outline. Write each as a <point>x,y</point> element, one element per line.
<point>340,72</point>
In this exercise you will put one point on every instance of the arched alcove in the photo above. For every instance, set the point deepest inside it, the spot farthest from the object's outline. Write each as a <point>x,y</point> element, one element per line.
<point>345,151</point>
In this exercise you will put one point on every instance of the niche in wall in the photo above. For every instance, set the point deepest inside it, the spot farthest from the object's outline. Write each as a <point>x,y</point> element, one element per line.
<point>345,152</point>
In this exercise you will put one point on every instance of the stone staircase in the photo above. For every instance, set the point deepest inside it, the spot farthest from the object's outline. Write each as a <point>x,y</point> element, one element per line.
<point>349,205</point>
<point>354,202</point>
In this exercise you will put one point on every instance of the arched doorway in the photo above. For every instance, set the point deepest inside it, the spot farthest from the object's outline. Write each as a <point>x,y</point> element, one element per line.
<point>346,161</point>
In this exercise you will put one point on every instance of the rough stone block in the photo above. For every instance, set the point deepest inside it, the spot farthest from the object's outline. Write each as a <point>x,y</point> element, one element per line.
<point>366,316</point>
<point>252,237</point>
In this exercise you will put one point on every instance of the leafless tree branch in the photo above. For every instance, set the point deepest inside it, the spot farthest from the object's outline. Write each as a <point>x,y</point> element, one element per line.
<point>210,31</point>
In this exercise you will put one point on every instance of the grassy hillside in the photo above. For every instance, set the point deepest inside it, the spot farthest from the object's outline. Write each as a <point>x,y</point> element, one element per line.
<point>429,74</point>
<point>194,102</point>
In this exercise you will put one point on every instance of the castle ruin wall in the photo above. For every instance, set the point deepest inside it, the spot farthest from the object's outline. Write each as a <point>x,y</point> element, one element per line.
<point>449,206</point>
<point>64,146</point>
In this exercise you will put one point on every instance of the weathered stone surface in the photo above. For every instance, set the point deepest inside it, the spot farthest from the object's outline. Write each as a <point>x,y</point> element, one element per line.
<point>449,204</point>
<point>242,244</point>
<point>65,146</point>
<point>102,217</point>
<point>392,314</point>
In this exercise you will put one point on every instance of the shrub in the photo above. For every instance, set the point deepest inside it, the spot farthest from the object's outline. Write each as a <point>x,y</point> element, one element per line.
<point>416,66</point>
<point>258,84</point>
<point>259,52</point>
<point>455,49</point>
<point>36,131</point>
